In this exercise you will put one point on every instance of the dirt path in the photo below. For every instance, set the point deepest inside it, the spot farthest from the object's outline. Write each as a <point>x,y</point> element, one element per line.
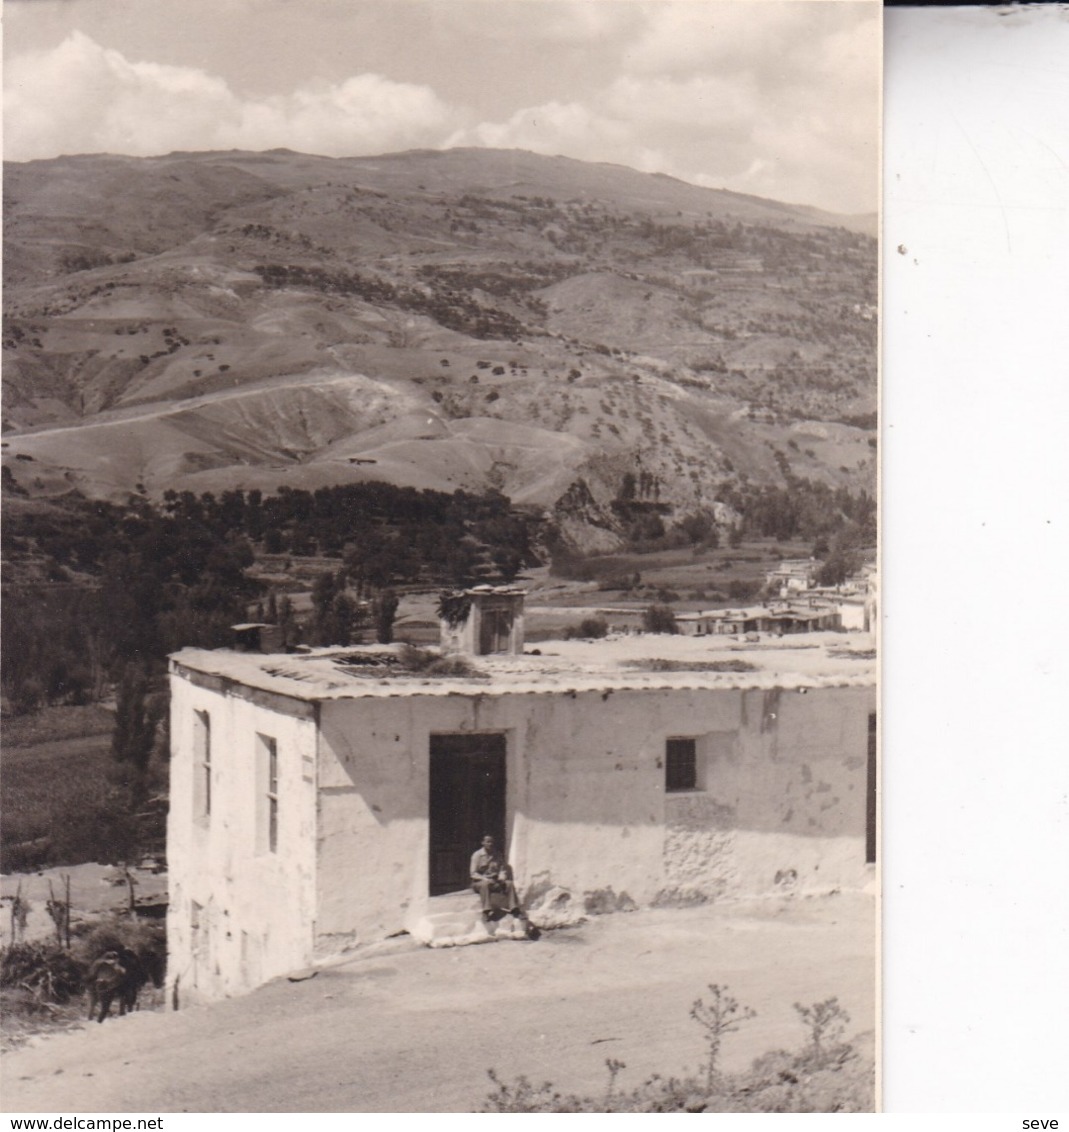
<point>415,1030</point>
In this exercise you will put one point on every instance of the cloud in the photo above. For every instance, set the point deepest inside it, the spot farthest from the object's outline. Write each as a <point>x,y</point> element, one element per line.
<point>80,97</point>
<point>777,99</point>
<point>553,127</point>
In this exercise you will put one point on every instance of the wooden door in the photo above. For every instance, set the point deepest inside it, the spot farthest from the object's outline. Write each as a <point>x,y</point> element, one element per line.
<point>467,801</point>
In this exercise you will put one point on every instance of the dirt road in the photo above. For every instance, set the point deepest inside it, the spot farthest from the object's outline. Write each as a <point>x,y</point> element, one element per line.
<point>414,1030</point>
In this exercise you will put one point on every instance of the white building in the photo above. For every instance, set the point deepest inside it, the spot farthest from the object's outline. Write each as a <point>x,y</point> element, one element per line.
<point>793,575</point>
<point>325,799</point>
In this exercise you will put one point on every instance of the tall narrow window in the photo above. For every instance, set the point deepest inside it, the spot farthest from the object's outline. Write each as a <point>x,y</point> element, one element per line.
<point>272,796</point>
<point>267,794</point>
<point>202,766</point>
<point>680,765</point>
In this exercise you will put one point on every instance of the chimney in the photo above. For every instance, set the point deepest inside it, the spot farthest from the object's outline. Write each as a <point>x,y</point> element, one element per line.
<point>482,621</point>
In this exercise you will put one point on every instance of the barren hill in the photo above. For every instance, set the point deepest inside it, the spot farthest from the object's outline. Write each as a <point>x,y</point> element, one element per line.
<point>468,318</point>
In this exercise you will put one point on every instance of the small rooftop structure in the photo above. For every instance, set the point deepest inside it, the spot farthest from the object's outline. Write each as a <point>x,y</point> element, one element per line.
<point>482,621</point>
<point>257,636</point>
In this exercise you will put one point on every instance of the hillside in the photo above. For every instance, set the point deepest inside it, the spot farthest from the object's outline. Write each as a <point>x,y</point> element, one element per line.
<point>464,319</point>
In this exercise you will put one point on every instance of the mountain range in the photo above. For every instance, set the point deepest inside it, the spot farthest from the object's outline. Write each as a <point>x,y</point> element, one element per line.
<point>467,318</point>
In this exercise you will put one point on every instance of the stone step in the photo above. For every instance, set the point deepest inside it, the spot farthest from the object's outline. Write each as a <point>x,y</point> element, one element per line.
<point>443,924</point>
<point>456,919</point>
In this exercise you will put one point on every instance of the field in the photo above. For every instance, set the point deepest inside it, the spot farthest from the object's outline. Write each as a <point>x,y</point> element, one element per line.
<point>56,764</point>
<point>696,575</point>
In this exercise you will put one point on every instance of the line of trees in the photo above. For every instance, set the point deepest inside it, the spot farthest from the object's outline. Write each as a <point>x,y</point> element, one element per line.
<point>103,587</point>
<point>448,307</point>
<point>803,509</point>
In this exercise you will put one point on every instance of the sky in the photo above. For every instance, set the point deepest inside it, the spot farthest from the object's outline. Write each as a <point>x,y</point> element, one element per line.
<point>773,97</point>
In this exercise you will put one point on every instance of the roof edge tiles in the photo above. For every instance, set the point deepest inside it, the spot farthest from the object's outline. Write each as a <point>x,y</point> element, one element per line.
<point>812,660</point>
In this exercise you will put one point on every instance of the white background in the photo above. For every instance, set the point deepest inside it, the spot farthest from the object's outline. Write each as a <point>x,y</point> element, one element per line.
<point>975,493</point>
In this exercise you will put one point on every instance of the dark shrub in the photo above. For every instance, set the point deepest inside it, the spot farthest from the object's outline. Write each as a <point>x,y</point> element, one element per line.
<point>590,628</point>
<point>659,619</point>
<point>49,973</point>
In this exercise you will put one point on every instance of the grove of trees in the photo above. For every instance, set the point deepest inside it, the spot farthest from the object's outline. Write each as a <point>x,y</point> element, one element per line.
<point>97,587</point>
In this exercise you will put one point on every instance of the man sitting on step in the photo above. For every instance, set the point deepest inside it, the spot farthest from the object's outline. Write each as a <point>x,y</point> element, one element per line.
<point>491,878</point>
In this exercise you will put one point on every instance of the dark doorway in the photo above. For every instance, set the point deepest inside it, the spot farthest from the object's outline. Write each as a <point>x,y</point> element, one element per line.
<point>871,794</point>
<point>467,788</point>
<point>495,629</point>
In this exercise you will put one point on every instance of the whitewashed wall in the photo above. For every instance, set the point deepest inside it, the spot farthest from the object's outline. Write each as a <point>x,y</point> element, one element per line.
<point>257,907</point>
<point>780,804</point>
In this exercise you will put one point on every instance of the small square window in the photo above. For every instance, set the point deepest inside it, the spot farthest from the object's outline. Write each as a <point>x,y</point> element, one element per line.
<point>680,765</point>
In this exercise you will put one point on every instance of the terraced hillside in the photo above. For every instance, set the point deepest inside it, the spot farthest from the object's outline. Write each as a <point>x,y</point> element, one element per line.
<point>464,319</point>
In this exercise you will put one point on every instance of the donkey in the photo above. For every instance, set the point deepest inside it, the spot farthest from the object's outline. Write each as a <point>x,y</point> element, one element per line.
<point>115,975</point>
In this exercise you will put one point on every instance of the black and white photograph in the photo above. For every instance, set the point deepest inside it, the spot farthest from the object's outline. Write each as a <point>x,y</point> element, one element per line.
<point>440,556</point>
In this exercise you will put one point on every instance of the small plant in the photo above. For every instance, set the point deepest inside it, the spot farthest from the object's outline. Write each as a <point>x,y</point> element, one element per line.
<point>614,1066</point>
<point>826,1022</point>
<point>429,663</point>
<point>454,607</point>
<point>522,1096</point>
<point>721,1016</point>
<point>824,1076</point>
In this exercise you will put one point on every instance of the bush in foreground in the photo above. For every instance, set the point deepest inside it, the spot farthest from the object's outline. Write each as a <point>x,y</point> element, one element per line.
<point>38,977</point>
<point>826,1075</point>
<point>42,971</point>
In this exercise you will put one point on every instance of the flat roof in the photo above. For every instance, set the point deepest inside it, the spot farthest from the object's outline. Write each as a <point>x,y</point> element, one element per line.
<point>772,610</point>
<point>618,662</point>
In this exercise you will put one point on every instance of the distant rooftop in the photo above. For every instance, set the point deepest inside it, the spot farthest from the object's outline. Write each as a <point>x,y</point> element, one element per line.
<point>636,661</point>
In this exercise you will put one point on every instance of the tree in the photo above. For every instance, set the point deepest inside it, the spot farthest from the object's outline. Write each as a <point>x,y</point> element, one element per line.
<point>336,615</point>
<point>287,622</point>
<point>341,621</point>
<point>137,718</point>
<point>273,541</point>
<point>508,562</point>
<point>659,619</point>
<point>323,590</point>
<point>699,527</point>
<point>844,558</point>
<point>383,611</point>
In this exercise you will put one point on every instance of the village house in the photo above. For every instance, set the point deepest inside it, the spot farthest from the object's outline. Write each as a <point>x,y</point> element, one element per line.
<point>792,575</point>
<point>777,618</point>
<point>325,799</point>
